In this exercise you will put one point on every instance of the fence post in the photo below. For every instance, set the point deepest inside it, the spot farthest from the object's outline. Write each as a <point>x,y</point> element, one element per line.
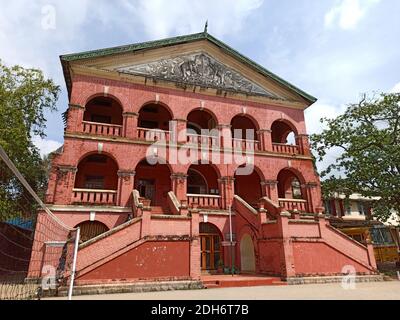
<point>71,284</point>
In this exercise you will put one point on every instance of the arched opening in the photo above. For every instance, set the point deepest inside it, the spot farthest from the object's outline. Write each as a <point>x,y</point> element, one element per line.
<point>103,110</point>
<point>202,179</point>
<point>153,181</point>
<point>211,253</point>
<point>154,116</point>
<point>289,185</point>
<point>91,229</point>
<point>97,171</point>
<point>283,133</point>
<point>198,120</point>
<point>244,128</point>
<point>248,187</point>
<point>247,256</point>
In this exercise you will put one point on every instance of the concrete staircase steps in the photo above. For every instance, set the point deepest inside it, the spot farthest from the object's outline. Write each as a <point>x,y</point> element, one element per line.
<point>242,282</point>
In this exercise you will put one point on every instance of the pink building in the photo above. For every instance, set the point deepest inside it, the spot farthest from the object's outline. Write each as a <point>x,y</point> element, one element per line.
<point>152,190</point>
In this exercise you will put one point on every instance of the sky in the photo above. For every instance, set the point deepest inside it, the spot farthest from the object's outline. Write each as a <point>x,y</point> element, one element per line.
<point>333,49</point>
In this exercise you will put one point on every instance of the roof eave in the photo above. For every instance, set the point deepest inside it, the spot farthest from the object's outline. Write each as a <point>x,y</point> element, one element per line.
<point>66,59</point>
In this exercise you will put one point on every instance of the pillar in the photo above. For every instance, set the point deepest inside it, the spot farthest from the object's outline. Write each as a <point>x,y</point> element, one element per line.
<point>225,134</point>
<point>125,187</point>
<point>74,118</point>
<point>287,258</point>
<point>178,129</point>
<point>270,190</point>
<point>227,189</point>
<point>310,194</point>
<point>130,124</point>
<point>265,139</point>
<point>179,186</point>
<point>302,140</point>
<point>65,184</point>
<point>195,267</point>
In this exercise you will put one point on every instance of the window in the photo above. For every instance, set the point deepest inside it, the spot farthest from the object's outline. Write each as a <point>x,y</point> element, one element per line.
<point>381,236</point>
<point>148,124</point>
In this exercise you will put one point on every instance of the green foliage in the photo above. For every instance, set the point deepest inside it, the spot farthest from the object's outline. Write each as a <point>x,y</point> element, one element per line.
<point>368,134</point>
<point>25,95</point>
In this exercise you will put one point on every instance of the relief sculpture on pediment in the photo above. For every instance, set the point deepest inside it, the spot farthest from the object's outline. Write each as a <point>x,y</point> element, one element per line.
<point>197,69</point>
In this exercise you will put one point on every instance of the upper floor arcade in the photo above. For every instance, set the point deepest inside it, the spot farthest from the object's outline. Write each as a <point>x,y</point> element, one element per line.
<point>213,125</point>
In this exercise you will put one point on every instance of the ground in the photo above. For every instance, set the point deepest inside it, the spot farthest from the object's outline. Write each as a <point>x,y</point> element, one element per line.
<point>388,290</point>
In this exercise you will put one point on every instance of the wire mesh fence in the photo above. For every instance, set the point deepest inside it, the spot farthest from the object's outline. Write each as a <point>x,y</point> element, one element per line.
<point>36,248</point>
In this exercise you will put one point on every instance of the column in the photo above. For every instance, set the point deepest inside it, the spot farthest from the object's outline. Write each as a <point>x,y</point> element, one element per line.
<point>265,139</point>
<point>74,118</point>
<point>225,134</point>
<point>270,190</point>
<point>65,184</point>
<point>310,195</point>
<point>287,258</point>
<point>302,140</point>
<point>227,190</point>
<point>125,187</point>
<point>195,266</point>
<point>178,130</point>
<point>179,181</point>
<point>130,124</point>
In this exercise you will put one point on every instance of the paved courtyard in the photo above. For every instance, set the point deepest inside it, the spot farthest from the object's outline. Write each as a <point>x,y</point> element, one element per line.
<point>363,291</point>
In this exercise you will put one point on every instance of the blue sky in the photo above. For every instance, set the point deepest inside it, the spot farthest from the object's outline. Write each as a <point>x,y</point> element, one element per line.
<point>333,49</point>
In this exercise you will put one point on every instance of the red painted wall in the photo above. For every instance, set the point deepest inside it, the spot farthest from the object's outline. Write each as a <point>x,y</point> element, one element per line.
<point>163,259</point>
<point>308,259</point>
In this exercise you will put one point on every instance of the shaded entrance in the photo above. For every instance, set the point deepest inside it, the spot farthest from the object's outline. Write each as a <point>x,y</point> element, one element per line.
<point>211,248</point>
<point>247,257</point>
<point>153,181</point>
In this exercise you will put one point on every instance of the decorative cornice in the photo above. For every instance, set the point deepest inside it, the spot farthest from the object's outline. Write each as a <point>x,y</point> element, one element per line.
<point>126,173</point>
<point>130,114</point>
<point>179,175</point>
<point>64,168</point>
<point>75,106</point>
<point>269,183</point>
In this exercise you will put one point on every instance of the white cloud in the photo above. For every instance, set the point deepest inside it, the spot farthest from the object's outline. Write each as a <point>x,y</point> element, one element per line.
<point>396,88</point>
<point>161,19</point>
<point>46,145</point>
<point>313,115</point>
<point>348,13</point>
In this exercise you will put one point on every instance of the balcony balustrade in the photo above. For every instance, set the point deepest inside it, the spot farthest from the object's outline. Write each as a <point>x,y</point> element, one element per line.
<point>242,144</point>
<point>204,201</point>
<point>92,196</point>
<point>294,204</point>
<point>153,134</point>
<point>203,140</point>
<point>285,148</point>
<point>103,129</point>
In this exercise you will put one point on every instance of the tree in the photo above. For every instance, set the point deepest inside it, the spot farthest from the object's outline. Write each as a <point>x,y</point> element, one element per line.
<point>25,95</point>
<point>368,134</point>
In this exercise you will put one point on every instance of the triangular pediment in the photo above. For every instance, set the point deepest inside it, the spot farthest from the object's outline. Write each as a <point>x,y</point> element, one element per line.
<point>198,69</point>
<point>188,63</point>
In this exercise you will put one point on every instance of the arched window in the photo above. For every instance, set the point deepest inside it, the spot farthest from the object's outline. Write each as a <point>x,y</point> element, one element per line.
<point>202,179</point>
<point>154,116</point>
<point>283,133</point>
<point>244,128</point>
<point>248,187</point>
<point>97,171</point>
<point>198,120</point>
<point>91,229</point>
<point>103,110</point>
<point>289,185</point>
<point>153,181</point>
